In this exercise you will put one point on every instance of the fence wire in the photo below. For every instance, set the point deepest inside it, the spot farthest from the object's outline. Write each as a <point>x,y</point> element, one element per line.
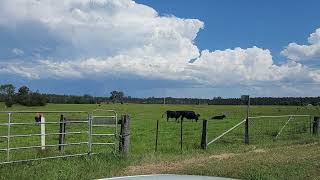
<point>264,128</point>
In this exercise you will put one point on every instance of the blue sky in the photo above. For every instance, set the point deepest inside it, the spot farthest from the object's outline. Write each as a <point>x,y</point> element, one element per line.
<point>269,24</point>
<point>262,48</point>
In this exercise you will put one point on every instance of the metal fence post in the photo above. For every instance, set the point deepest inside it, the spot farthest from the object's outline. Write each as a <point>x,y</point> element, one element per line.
<point>204,134</point>
<point>246,133</point>
<point>181,134</point>
<point>90,116</point>
<point>246,99</point>
<point>157,134</point>
<point>8,137</point>
<point>62,133</point>
<point>116,136</point>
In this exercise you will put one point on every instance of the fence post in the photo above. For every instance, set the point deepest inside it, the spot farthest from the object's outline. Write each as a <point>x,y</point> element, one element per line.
<point>246,133</point>
<point>8,137</point>
<point>90,118</point>
<point>246,100</point>
<point>124,136</point>
<point>316,125</point>
<point>62,133</point>
<point>43,132</point>
<point>181,133</point>
<point>204,134</point>
<point>157,134</point>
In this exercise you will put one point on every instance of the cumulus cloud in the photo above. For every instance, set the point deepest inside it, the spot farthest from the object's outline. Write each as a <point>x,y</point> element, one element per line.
<point>76,29</point>
<point>298,52</point>
<point>119,38</point>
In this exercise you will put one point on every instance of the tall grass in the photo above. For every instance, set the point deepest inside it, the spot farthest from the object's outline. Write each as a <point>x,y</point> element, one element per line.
<point>143,124</point>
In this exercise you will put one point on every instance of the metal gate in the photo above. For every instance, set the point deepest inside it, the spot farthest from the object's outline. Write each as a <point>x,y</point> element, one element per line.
<point>34,135</point>
<point>103,129</point>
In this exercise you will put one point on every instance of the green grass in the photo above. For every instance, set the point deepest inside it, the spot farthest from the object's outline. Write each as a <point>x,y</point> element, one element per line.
<point>295,155</point>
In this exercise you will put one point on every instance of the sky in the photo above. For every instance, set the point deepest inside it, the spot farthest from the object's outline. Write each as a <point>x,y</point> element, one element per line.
<point>175,48</point>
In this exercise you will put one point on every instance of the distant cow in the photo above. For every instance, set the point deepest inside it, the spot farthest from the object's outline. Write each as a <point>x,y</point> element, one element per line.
<point>189,115</point>
<point>219,117</point>
<point>172,114</point>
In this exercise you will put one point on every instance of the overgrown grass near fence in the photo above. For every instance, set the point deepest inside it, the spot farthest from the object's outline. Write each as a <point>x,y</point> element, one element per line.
<point>143,126</point>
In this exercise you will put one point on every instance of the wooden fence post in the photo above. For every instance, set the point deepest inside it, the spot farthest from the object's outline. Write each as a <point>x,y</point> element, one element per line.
<point>316,125</point>
<point>204,134</point>
<point>62,133</point>
<point>125,136</point>
<point>157,134</point>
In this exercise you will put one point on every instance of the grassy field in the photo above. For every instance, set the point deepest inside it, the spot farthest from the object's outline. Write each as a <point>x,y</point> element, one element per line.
<point>295,155</point>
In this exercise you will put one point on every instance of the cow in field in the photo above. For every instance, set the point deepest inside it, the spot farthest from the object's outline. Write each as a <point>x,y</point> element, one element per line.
<point>219,117</point>
<point>172,114</point>
<point>189,115</point>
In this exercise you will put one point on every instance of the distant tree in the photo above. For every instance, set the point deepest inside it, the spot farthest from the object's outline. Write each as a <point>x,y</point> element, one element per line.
<point>117,96</point>
<point>23,96</point>
<point>37,99</point>
<point>7,93</point>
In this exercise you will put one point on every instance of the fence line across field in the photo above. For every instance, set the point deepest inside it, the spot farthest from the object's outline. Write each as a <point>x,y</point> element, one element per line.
<point>88,121</point>
<point>291,117</point>
<point>297,115</point>
<point>226,132</point>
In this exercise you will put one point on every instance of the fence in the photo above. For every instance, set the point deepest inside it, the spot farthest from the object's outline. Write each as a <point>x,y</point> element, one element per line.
<point>271,128</point>
<point>260,129</point>
<point>176,136</point>
<point>29,135</point>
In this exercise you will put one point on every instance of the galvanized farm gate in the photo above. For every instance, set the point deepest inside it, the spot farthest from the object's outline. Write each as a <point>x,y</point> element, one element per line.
<point>37,135</point>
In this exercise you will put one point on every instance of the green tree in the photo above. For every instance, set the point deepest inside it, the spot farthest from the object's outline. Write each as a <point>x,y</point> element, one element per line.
<point>37,99</point>
<point>23,96</point>
<point>117,96</point>
<point>7,92</point>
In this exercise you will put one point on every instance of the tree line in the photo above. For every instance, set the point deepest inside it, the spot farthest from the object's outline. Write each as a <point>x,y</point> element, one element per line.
<point>26,97</point>
<point>121,98</point>
<point>23,97</point>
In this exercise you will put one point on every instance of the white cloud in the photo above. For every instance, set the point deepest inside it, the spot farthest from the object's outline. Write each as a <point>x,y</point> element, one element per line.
<point>99,39</point>
<point>251,66</point>
<point>298,52</point>
<point>100,28</point>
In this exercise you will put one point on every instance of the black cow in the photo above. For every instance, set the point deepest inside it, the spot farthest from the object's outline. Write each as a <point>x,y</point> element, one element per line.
<point>219,117</point>
<point>189,115</point>
<point>172,114</point>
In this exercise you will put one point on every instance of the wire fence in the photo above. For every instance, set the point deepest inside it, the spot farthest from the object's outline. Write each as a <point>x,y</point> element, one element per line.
<point>261,130</point>
<point>271,128</point>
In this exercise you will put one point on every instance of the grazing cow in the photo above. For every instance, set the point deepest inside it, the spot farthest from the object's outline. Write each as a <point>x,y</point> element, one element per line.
<point>172,114</point>
<point>219,117</point>
<point>189,115</point>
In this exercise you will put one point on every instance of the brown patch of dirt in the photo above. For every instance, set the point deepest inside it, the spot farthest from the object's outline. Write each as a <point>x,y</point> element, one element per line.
<point>161,167</point>
<point>223,156</point>
<point>167,167</point>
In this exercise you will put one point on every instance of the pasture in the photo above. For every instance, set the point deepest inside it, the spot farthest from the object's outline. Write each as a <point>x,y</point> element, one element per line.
<point>295,155</point>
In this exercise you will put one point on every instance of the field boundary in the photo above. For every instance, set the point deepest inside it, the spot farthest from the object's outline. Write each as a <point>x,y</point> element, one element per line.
<point>87,119</point>
<point>247,120</point>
